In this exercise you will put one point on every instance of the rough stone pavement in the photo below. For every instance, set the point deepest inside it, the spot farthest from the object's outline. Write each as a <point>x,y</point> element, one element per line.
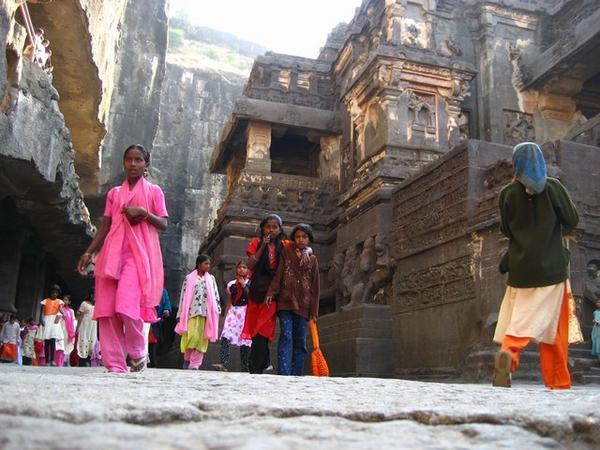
<point>54,408</point>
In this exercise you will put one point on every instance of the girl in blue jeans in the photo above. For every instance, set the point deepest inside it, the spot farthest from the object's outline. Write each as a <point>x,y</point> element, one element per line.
<point>296,290</point>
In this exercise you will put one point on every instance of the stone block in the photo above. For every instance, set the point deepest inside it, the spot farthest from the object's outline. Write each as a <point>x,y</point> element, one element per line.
<point>357,341</point>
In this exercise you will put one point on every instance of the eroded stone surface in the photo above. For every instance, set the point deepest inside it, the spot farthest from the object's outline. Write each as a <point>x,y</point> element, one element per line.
<point>181,409</point>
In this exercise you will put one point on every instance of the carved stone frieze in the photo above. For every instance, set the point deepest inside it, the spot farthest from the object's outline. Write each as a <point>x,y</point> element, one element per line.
<point>448,282</point>
<point>518,127</point>
<point>295,197</point>
<point>431,209</point>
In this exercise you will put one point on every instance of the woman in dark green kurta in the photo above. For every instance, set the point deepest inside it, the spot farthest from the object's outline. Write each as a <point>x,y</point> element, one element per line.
<point>535,212</point>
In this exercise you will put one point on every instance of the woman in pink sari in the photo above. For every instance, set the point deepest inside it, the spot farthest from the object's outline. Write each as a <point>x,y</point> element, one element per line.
<point>128,266</point>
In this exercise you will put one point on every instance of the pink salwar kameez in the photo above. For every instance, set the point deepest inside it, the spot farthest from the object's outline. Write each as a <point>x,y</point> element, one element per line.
<point>129,275</point>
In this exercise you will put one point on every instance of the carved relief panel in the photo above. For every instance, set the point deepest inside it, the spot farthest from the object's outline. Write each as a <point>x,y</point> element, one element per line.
<point>365,273</point>
<point>518,127</point>
<point>329,158</point>
<point>408,24</point>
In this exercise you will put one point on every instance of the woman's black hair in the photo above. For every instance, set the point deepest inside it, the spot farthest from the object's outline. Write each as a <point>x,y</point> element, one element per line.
<point>55,288</point>
<point>67,296</point>
<point>202,258</point>
<point>145,153</point>
<point>303,227</point>
<point>264,264</point>
<point>268,217</point>
<point>90,297</point>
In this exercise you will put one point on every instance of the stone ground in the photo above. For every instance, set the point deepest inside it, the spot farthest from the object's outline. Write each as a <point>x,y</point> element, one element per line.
<point>54,408</point>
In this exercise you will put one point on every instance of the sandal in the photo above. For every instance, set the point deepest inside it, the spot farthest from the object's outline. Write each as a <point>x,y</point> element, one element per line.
<point>138,365</point>
<point>502,372</point>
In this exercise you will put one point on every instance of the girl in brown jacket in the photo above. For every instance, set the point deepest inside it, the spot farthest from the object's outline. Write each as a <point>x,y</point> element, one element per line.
<point>296,290</point>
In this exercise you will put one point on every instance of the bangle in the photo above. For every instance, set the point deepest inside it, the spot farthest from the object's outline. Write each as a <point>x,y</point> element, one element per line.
<point>87,253</point>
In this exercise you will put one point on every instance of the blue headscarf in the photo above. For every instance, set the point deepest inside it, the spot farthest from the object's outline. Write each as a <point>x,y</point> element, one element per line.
<point>530,167</point>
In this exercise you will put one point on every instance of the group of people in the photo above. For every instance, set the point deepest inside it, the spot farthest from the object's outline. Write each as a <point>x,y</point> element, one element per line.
<point>279,279</point>
<point>39,51</point>
<point>63,337</point>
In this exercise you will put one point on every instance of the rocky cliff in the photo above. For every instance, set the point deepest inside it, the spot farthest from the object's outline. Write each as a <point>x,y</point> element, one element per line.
<point>205,74</point>
<point>43,220</point>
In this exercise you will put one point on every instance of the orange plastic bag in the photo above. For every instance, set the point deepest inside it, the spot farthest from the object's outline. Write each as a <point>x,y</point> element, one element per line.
<point>318,364</point>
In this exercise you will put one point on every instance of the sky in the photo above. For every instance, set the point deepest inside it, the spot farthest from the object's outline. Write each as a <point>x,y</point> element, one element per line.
<point>298,27</point>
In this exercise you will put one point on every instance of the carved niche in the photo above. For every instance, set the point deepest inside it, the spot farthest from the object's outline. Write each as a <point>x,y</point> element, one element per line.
<point>423,111</point>
<point>366,272</point>
<point>258,145</point>
<point>518,127</point>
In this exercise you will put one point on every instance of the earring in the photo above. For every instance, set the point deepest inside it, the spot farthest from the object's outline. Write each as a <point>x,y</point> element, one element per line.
<point>146,173</point>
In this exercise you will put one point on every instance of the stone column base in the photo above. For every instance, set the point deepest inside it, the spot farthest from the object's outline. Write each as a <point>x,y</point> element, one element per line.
<point>357,341</point>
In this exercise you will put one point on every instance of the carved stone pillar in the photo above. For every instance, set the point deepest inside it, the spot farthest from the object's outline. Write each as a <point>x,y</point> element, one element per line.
<point>329,159</point>
<point>557,109</point>
<point>258,158</point>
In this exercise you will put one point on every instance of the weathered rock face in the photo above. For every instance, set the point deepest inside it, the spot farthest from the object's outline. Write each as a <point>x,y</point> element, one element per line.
<point>194,105</point>
<point>83,37</point>
<point>139,66</point>
<point>44,222</point>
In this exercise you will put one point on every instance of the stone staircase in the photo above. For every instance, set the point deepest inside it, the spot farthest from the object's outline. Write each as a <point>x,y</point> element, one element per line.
<point>584,368</point>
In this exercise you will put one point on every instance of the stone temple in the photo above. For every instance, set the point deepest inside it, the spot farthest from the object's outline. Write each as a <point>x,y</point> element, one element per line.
<point>394,144</point>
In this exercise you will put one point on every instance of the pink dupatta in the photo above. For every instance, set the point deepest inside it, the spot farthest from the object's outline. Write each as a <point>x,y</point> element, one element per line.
<point>211,325</point>
<point>143,243</point>
<point>69,318</point>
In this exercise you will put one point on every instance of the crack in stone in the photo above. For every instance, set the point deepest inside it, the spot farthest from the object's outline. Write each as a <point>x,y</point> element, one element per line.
<point>577,430</point>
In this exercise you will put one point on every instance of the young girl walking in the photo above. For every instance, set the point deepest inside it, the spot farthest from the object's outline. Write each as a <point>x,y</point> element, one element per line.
<point>68,324</point>
<point>129,266</point>
<point>28,336</point>
<point>237,290</point>
<point>51,317</point>
<point>198,314</point>
<point>87,331</point>
<point>264,253</point>
<point>296,290</point>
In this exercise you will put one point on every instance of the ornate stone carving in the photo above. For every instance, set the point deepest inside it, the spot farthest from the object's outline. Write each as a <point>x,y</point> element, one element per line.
<point>449,48</point>
<point>334,277</point>
<point>349,272</point>
<point>423,108</point>
<point>518,127</point>
<point>295,197</point>
<point>498,175</point>
<point>463,125</point>
<point>257,146</point>
<point>378,289</point>
<point>329,157</point>
<point>592,282</point>
<point>433,286</point>
<point>366,264</point>
<point>259,140</point>
<point>520,75</point>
